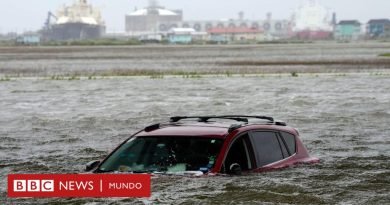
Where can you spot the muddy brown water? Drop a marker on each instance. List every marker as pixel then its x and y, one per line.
pixel 56 126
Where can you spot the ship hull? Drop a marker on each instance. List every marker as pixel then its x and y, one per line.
pixel 73 31
pixel 314 35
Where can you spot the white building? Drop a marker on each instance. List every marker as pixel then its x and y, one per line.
pixel 312 17
pixel 152 19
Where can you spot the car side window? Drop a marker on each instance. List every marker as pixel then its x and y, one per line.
pixel 267 147
pixel 285 152
pixel 289 140
pixel 240 152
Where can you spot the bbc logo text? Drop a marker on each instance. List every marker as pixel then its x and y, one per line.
pixel 33 186
pixel 79 185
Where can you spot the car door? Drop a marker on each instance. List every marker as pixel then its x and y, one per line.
pixel 240 152
pixel 271 146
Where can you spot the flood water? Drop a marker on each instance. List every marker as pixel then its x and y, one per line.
pixel 56 126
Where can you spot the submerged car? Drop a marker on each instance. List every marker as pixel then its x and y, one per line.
pixel 198 145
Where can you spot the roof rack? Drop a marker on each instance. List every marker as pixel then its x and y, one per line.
pixel 239 118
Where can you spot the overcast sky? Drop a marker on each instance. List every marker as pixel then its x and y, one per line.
pixel 23 15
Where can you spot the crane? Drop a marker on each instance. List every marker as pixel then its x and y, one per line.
pixel 48 20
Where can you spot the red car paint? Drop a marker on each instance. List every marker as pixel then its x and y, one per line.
pixel 301 155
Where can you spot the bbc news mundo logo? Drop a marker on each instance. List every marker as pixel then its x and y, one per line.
pixel 33 186
pixel 79 185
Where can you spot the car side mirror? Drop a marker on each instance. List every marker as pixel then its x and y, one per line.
pixel 235 169
pixel 91 165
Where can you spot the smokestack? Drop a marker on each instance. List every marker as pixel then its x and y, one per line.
pixel 269 16
pixel 153 3
pixel 241 15
pixel 334 19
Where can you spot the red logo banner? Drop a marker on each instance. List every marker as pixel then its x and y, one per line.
pixel 79 185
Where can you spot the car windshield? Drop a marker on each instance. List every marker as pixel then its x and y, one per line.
pixel 164 154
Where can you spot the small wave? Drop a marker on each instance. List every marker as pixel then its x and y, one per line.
pixel 28 91
pixel 361 163
pixel 380 114
pixel 301 102
pixel 375 158
pixel 60 141
pixel 242 195
pixel 361 148
pixel 9 139
pixel 10 148
pixel 90 151
pixel 32 167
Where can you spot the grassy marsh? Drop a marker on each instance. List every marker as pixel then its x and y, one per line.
pixel 191 61
pixel 384 55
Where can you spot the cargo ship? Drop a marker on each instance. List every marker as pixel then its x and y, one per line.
pixel 75 22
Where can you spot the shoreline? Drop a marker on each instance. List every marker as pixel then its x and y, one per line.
pixel 193 61
pixel 383 73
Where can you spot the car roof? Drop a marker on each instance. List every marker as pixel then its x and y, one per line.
pixel 206 129
pixel 195 130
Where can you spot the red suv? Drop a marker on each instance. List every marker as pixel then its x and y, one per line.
pixel 208 145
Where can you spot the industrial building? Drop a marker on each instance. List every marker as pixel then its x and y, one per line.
pixel 270 26
pixel 28 38
pixel 78 21
pixel 312 21
pixel 243 34
pixel 378 28
pixel 181 35
pixel 348 30
pixel 152 19
pixel 157 19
